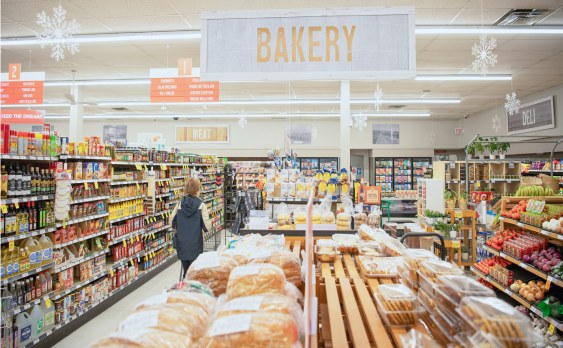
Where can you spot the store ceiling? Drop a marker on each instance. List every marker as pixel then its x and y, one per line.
pixel 535 61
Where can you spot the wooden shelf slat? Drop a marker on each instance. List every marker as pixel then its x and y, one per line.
pixel 337 329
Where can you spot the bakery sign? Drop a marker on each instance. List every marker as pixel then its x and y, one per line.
pixel 306 44
pixel 534 116
pixel 202 134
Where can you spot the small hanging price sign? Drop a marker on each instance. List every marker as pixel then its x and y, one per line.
pixel 85 185
pixel 138 166
pixel 111 272
pixel 48 303
pixel 138 238
pixel 131 240
pixel 551 329
pixel 11 245
pixel 124 243
pixel 132 263
pixel 16 204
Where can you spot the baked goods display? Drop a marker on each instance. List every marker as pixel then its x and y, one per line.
pixel 213 270
pixel 260 329
pixel 145 338
pixel 417 339
pixel 327 253
pixel 343 221
pixel 453 288
pixel 300 217
pixel 346 243
pixel 204 301
pixel 286 260
pixel 377 267
pixel 413 257
pixel 371 234
pixel 392 247
pixel 429 271
pixel 496 322
pixel 316 217
pixel 370 248
pixel 284 221
pixel 327 217
pixel 397 305
pixel 255 279
pixel 360 219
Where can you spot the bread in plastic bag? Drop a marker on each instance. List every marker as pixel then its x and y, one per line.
pixel 204 301
pixel 238 254
pixel 380 266
pixel 300 217
pixel 316 215
pixel 213 270
pixel 187 320
pixel 417 339
pixel 290 290
pixel 368 233
pixel 145 338
pixel 374 217
pixel 284 219
pixel 255 279
pixel 346 243
pixel 327 217
pixel 286 260
pixel 252 330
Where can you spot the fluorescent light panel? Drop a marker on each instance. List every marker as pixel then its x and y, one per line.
pixel 532 30
pixel 465 77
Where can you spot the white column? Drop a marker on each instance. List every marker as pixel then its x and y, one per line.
pixel 75 126
pixel 345 124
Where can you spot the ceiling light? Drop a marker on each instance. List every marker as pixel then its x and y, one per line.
pixel 399 114
pixel 432 30
pixel 454 77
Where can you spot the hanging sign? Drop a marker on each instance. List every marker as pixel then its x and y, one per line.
pixel 372 194
pixel 22 87
pixel 202 134
pixel 334 44
pixel 16 116
pixel 180 86
pixel 534 116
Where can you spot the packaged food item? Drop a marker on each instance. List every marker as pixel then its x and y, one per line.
pixel 453 288
pixel 343 221
pixel 427 301
pixel 255 279
pixel 496 321
pixel 346 243
pixel 213 270
pixel 284 218
pixel 204 301
pixel 392 247
pixel 294 293
pixel 414 257
pixel 326 253
pixel 374 218
pixel 238 254
pixel 184 319
pixel 370 248
pixel 397 305
pixel 316 215
pixel 192 286
pixel 300 217
pixel 379 267
pixel 417 339
pixel 368 233
pixel 429 271
pixel 360 217
pixel 260 329
pixel 286 260
pixel 145 338
pixel 327 217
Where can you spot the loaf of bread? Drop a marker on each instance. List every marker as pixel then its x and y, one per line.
pixel 213 270
pixel 343 221
pixel 252 330
pixel 204 301
pixel 238 254
pixel 360 219
pixel 287 261
pixel 366 233
pixel 184 319
pixel 145 338
pixel 192 286
pixel 294 293
pixel 327 218
pixel 374 219
pixel 255 279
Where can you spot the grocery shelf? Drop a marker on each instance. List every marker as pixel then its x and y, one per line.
pixel 181 177
pixel 80 260
pixel 77 157
pixel 162 180
pixel 160 213
pixel 91 306
pixel 27 199
pixel 27 274
pixel 531 228
pixel 126 218
pixel 539 171
pixel 89 199
pixel 79 285
pixel 82 219
pixel 87 181
pixel 518 298
pixel 97 234
pixel 128 182
pixel 126 163
pixel 127 236
pixel 24 307
pixel 137 255
pixel 28 158
pixel 27 235
pixel 125 199
pixel 212 190
pixel 162 195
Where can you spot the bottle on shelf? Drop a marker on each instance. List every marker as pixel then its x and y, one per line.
pixel 5 179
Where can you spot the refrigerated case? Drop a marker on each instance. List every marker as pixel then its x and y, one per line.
pixel 400 173
pixel 309 165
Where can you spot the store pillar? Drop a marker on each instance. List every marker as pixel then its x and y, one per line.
pixel 76 122
pixel 345 124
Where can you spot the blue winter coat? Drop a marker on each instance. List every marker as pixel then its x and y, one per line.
pixel 189 224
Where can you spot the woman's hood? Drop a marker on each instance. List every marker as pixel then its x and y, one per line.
pixel 190 205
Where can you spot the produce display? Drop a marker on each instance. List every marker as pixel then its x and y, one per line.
pixel 532 291
pixel 553 225
pixel 497 241
pixel 516 211
pixel 545 259
pixel 534 191
pixel 485 265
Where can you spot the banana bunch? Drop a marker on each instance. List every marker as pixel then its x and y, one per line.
pixel 534 191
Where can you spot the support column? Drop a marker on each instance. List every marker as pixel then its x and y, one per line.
pixel 345 124
pixel 76 123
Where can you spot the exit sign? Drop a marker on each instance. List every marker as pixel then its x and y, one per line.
pixel 459 131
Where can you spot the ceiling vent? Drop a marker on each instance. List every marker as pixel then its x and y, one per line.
pixel 397 106
pixel 120 109
pixel 522 17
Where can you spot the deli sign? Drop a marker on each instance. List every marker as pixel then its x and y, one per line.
pixel 534 116
pixel 305 44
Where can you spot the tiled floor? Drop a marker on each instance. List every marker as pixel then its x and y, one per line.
pixel 109 320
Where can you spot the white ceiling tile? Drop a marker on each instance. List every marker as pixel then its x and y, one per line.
pixel 126 8
pixel 435 16
pixel 26 11
pixel 473 17
pixel 156 23
pixel 555 18
pixel 12 29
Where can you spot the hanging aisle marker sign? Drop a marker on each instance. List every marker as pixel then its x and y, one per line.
pixel 306 44
pixel 181 85
pixel 22 87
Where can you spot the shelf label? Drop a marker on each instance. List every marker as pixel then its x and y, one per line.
pixel 551 329
pixel 508 292
pixel 524 266
pixel 138 166
pixel 4 209
pixel 96 185
pixel 456 244
pixel 48 303
pixel 124 243
pixel 11 245
pixel 16 204
pixel 519 224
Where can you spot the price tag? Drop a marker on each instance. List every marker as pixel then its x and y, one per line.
pixel 11 245
pixel 138 186
pixel 152 235
pixel 16 204
pixel 4 209
pixel 111 272
pixel 160 199
pixel 508 292
pixel 48 303
pixel 146 258
pixel 138 166
pixel 96 185
pixel 137 238
pixel 131 240
pixel 132 263
pixel 548 283
pixel 124 243
pixel 524 266
pixel 510 165
pixel 145 166
pixel 456 244
pixel 477 184
pixel 85 185
pixel 519 224
pixel 64 223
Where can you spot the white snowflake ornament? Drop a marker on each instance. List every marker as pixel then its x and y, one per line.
pixel 512 104
pixel 496 123
pixel 360 121
pixel 242 121
pixel 57 32
pixel 314 133
pixel 378 97
pixel 483 53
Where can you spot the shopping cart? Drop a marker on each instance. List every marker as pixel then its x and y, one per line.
pixel 440 247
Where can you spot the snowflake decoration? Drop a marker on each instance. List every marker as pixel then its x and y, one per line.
pixel 483 53
pixel 496 123
pixel 360 121
pixel 314 133
pixel 242 121
pixel 57 32
pixel 512 104
pixel 378 97
pixel 433 137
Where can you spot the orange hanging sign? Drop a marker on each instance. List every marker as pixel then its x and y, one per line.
pixel 21 87
pixel 17 116
pixel 171 86
pixel 14 71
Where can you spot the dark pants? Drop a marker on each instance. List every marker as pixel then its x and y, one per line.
pixel 185 265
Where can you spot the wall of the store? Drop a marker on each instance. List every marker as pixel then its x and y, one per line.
pixel 482 123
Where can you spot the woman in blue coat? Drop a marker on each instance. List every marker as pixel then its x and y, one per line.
pixel 190 218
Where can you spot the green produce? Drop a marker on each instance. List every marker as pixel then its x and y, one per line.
pixel 551 307
pixel 533 191
pixel 557 271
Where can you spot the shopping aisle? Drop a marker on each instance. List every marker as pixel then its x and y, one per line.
pixel 107 322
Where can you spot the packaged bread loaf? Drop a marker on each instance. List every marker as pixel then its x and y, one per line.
pixel 397 304
pixel 286 260
pixel 204 301
pixel 255 279
pixel 238 254
pixel 291 291
pixel 184 319
pixel 367 233
pixel 346 243
pixel 343 221
pixel 374 218
pixel 327 217
pixel 300 217
pixel 212 270
pixel 253 330
pixel 192 286
pixel 145 338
